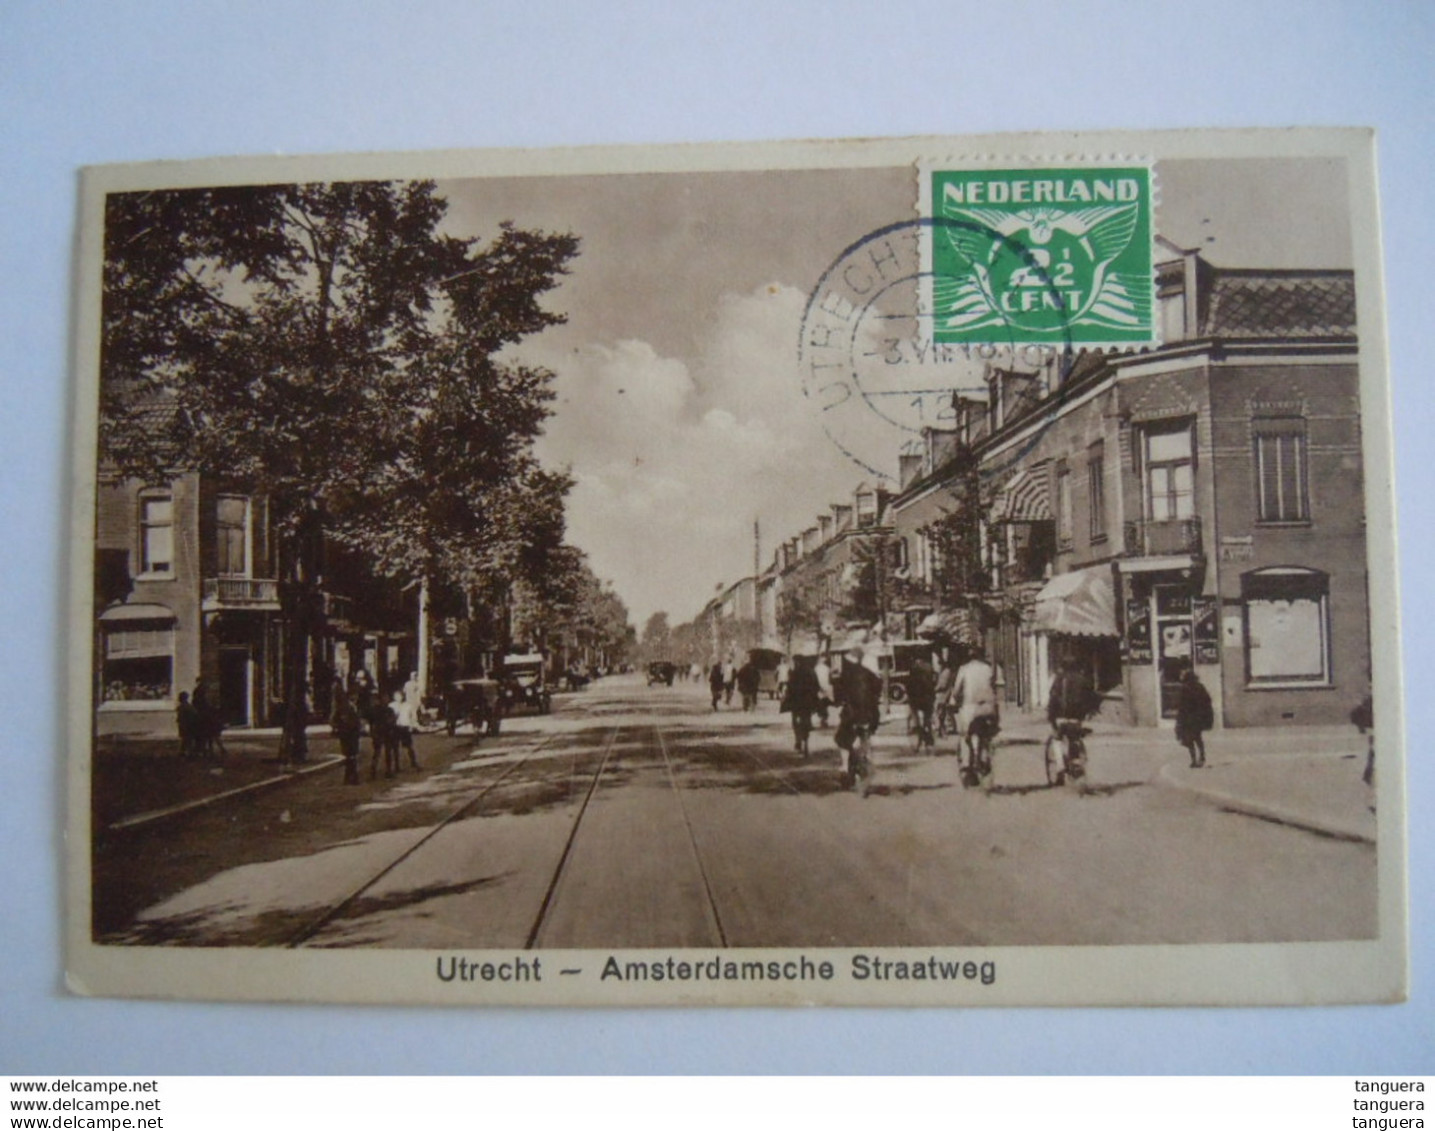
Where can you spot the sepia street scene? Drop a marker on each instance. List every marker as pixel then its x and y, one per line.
pixel 800 557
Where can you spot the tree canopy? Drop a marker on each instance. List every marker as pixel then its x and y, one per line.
pixel 332 346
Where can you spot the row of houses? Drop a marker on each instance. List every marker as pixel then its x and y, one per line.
pixel 187 594
pixel 1196 504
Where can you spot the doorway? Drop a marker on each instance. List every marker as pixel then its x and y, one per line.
pixel 234 689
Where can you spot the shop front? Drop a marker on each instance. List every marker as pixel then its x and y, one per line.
pixel 1170 626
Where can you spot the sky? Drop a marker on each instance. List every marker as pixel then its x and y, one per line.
pixel 680 408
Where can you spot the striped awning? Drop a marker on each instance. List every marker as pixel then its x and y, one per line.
pixel 1079 603
pixel 137 611
pixel 961 626
pixel 1025 498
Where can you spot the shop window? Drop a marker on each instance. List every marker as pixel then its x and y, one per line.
pixel 1281 484
pixel 138 663
pixel 1287 626
pixel 156 533
pixel 1170 477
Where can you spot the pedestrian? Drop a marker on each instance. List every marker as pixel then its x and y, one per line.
pixel 209 724
pixel 974 696
pixel 382 723
pixel 823 671
pixel 729 680
pixel 749 678
pixel 801 698
pixel 347 727
pixel 402 734
pixel 413 696
pixel 716 682
pixel 1194 715
pixel 784 673
pixel 186 721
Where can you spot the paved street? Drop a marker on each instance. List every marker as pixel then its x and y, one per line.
pixel 635 817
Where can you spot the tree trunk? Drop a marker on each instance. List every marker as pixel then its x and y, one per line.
pixel 423 657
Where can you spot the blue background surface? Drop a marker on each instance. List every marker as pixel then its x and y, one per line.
pixel 86 83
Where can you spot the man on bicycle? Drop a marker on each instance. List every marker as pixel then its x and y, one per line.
pixel 858 693
pixel 1071 700
pixel 921 699
pixel 974 696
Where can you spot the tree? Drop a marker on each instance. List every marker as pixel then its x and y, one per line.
pixel 332 347
pixel 657 637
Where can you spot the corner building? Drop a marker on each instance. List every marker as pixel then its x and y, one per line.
pixel 1200 503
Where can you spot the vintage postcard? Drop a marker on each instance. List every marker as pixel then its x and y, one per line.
pixel 938 571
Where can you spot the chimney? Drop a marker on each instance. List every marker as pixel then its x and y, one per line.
pixel 909 468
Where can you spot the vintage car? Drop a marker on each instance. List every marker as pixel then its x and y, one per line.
pixel 523 681
pixel 479 702
pixel 661 671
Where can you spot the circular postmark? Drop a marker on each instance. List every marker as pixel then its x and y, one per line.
pixel 875 361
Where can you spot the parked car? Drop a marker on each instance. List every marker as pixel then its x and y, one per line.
pixel 523 680
pixel 479 702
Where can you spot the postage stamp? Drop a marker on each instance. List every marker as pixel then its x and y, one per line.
pixel 1042 255
pixel 608 577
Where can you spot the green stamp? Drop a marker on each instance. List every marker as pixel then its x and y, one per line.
pixel 1041 255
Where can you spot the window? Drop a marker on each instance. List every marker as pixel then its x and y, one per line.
pixel 1287 634
pixel 1096 489
pixel 1170 472
pixel 233 535
pixel 157 534
pixel 1280 452
pixel 137 661
pixel 1063 504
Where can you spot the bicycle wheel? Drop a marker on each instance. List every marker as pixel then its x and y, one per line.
pixel 1055 760
pixel 862 763
pixel 984 757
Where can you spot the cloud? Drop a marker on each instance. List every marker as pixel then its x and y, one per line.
pixel 674 459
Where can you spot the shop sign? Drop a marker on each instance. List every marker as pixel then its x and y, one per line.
pixel 1138 631
pixel 1205 630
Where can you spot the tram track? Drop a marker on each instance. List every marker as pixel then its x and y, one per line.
pixel 336 910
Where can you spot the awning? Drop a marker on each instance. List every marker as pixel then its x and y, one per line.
pixel 1079 603
pixel 1024 498
pixel 117 613
pixel 962 626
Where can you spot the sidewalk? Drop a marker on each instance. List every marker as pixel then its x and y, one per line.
pixel 1306 777
pixel 138 780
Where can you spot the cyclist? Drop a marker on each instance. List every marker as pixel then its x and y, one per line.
pixel 1070 702
pixel 974 693
pixel 802 696
pixel 858 693
pixel 921 699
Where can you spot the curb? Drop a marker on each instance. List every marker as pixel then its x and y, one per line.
pixel 140 820
pixel 1320 825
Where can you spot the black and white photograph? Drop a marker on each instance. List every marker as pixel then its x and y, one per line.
pixel 946 571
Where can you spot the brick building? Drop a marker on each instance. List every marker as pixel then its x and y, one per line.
pixel 1200 503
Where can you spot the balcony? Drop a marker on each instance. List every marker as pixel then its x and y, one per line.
pixel 241 593
pixel 1179 537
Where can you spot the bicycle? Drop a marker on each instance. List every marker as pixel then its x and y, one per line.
pixel 859 762
pixel 919 729
pixel 980 740
pixel 1066 752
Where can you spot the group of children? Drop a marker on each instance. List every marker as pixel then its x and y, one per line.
pixel 201 728
pixel 391 725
